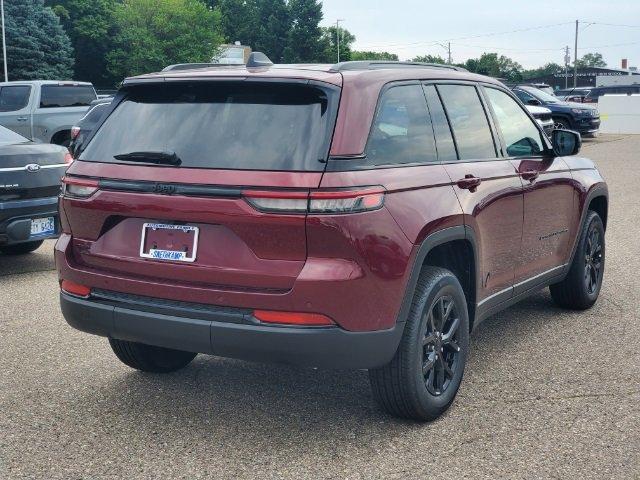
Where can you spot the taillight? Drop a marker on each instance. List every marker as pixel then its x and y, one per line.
pixel 317 201
pixel 350 201
pixel 68 158
pixel 75 131
pixel 73 288
pixel 79 187
pixel 293 318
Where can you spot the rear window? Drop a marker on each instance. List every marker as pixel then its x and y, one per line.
pixel 13 98
pixel 53 96
pixel 246 126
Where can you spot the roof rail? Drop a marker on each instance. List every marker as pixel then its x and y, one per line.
pixel 373 64
pixel 193 66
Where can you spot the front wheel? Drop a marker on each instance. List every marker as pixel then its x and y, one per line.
pixel 148 358
pixel 423 377
pixel 561 124
pixel 581 287
pixel 21 248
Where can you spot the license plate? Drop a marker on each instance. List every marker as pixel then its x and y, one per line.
pixel 43 226
pixel 177 243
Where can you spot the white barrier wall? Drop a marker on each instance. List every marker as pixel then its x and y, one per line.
pixel 619 113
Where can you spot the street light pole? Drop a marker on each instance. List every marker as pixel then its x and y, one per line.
pixel 575 59
pixel 338 35
pixel 4 43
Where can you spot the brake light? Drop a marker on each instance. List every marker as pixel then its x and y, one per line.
pixel 317 201
pixel 79 187
pixel 68 158
pixel 293 318
pixel 75 131
pixel 73 288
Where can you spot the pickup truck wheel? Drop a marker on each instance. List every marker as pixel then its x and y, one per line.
pixel 148 358
pixel 581 287
pixel 21 248
pixel 423 377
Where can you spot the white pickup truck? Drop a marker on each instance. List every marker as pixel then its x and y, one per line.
pixel 44 110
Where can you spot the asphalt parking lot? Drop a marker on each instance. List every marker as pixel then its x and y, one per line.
pixel 547 393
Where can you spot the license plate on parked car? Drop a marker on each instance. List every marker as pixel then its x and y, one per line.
pixel 178 243
pixel 43 226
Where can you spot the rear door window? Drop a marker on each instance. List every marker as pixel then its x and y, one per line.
pixel 521 136
pixel 469 122
pixel 444 141
pixel 238 126
pixel 401 132
pixel 53 96
pixel 14 97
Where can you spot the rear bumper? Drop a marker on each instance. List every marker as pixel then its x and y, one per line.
pixel 226 332
pixel 16 216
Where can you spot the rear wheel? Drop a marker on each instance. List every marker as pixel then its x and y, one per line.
pixel 21 248
pixel 423 378
pixel 149 358
pixel 581 287
pixel 561 123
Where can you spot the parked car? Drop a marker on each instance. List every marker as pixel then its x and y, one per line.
pixel 44 111
pixel 29 187
pixel 82 131
pixel 592 95
pixel 365 215
pixel 544 118
pixel 584 119
pixel 573 94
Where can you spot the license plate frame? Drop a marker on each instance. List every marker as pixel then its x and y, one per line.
pixel 166 255
pixel 37 230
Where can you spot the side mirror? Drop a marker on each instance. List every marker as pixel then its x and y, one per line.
pixel 534 102
pixel 566 142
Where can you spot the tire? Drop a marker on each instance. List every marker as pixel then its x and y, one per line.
pixel 576 291
pixel 148 358
pixel 21 248
pixel 400 387
pixel 561 123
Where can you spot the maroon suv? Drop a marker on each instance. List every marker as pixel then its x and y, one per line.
pixel 363 215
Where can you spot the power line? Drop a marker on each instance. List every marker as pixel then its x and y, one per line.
pixel 492 34
pixel 613 25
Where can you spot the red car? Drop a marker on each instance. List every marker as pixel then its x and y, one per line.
pixel 363 216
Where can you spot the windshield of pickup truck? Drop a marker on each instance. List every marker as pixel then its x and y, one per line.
pixel 220 125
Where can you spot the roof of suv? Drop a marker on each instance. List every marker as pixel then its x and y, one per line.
pixel 47 82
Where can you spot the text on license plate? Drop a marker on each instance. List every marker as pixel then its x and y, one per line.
pixel 161 241
pixel 43 226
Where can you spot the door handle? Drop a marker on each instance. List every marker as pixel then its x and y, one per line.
pixel 22 119
pixel 530 175
pixel 469 182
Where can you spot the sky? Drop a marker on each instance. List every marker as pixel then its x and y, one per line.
pixel 415 27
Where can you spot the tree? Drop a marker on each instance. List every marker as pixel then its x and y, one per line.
pixel 492 65
pixel 239 20
pixel 152 35
pixel 305 36
pixel 37 47
pixel 273 30
pixel 330 45
pixel 384 56
pixel 546 69
pixel 90 27
pixel 429 59
pixel 591 60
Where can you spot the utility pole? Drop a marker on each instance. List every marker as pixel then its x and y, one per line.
pixel 4 43
pixel 567 61
pixel 449 51
pixel 338 35
pixel 575 59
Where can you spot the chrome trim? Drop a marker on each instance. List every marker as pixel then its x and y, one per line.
pixel 520 284
pixel 24 169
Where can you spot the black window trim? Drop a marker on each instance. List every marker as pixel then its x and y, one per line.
pixel 28 96
pixel 547 152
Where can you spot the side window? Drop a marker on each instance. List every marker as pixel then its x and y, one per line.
pixel 444 141
pixel 469 122
pixel 14 97
pixel 520 134
pixel 53 96
pixel 401 131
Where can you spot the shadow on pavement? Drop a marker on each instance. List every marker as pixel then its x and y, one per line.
pixel 38 261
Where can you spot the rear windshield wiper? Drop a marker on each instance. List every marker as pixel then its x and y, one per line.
pixel 155 158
